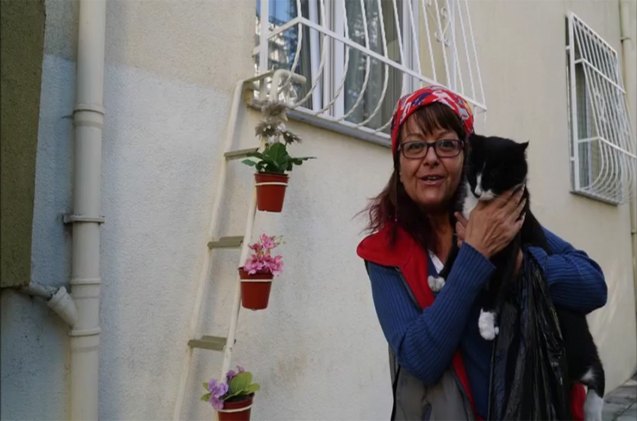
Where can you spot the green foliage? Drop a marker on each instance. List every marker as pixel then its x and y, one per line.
pixel 275 138
pixel 235 386
pixel 275 159
pixel 241 385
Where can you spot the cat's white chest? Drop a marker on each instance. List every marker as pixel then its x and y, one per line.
pixel 470 202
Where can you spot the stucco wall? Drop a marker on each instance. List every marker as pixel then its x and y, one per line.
pixel 317 351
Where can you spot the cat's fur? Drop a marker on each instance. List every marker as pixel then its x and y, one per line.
pixel 493 166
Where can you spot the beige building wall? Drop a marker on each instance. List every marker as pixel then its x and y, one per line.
pixel 317 351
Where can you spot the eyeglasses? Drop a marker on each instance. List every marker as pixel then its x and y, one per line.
pixel 444 148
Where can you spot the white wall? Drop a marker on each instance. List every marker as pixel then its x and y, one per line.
pixel 317 350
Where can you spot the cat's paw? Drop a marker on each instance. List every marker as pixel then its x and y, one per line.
pixel 593 406
pixel 436 283
pixel 486 324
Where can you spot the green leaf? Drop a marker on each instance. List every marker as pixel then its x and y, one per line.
pixel 206 397
pixel 275 158
pixel 249 163
pixel 252 388
pixel 240 382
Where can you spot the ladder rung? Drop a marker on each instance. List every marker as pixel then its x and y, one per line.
pixel 239 153
pixel 226 242
pixel 215 343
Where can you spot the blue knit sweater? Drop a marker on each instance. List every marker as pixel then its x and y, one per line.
pixel 424 341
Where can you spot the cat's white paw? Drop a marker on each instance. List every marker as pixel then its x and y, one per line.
pixel 486 324
pixel 593 407
pixel 436 283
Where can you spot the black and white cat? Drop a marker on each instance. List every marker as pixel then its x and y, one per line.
pixel 493 166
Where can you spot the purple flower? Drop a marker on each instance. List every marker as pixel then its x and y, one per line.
pixel 217 390
pixel 231 373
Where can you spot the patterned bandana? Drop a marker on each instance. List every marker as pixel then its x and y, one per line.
pixel 425 96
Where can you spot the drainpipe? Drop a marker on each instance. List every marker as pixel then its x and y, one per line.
pixel 88 119
pixel 57 299
pixel 629 60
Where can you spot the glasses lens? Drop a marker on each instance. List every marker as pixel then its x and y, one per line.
pixel 414 149
pixel 445 148
pixel 448 147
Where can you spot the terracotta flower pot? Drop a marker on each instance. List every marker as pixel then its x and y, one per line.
pixel 236 410
pixel 270 191
pixel 255 289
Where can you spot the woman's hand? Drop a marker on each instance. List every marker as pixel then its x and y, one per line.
pixel 493 224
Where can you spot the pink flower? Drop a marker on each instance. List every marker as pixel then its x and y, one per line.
pixel 268 242
pixel 261 259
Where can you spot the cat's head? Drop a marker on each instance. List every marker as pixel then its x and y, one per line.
pixel 494 165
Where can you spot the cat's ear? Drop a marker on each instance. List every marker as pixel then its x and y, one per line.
pixel 524 145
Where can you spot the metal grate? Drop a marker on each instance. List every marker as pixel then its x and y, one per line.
pixel 603 156
pixel 359 56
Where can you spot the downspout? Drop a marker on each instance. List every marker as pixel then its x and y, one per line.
pixel 88 118
pixel 57 299
pixel 629 60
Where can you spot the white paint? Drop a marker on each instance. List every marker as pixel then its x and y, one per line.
pixel 593 406
pixel 170 69
pixel 486 325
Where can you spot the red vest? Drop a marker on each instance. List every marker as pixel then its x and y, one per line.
pixel 412 261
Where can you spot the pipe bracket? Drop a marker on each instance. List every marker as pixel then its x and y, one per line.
pixel 70 218
pixel 85 332
pixel 89 107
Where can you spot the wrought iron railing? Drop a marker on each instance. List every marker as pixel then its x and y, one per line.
pixel 603 156
pixel 359 56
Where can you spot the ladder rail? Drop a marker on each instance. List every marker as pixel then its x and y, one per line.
pixel 236 304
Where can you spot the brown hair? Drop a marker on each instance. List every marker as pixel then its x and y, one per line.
pixel 393 203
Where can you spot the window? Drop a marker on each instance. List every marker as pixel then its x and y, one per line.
pixel 602 154
pixel 359 56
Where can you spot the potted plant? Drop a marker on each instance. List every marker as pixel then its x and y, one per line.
pixel 231 397
pixel 257 272
pixel 272 160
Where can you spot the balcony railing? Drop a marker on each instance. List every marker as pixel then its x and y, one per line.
pixel 359 56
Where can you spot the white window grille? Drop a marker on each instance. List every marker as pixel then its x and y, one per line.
pixel 359 56
pixel 602 148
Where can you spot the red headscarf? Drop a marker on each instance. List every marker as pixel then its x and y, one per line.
pixel 425 96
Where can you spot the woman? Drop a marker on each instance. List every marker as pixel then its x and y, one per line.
pixel 440 364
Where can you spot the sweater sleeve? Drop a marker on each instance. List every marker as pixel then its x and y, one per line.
pixel 575 281
pixel 424 341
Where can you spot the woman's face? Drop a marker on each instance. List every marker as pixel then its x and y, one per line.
pixel 429 181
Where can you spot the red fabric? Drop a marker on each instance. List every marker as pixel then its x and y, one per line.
pixel 425 96
pixel 411 259
pixel 578 397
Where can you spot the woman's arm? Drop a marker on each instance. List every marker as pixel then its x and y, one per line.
pixel 424 341
pixel 575 281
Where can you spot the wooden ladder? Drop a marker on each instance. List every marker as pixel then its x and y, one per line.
pixel 197 339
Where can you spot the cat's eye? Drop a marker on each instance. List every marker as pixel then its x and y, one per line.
pixel 444 148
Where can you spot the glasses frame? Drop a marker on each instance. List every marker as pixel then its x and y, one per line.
pixel 432 145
